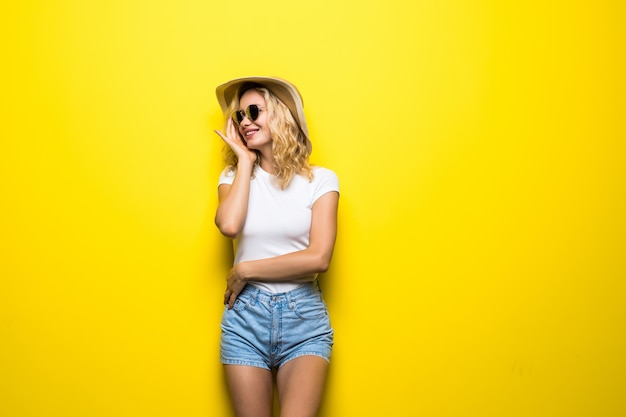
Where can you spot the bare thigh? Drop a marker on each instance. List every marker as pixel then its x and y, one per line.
pixel 250 390
pixel 300 384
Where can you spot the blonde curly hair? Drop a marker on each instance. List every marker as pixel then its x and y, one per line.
pixel 290 147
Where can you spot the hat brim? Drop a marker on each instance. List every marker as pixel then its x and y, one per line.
pixel 284 90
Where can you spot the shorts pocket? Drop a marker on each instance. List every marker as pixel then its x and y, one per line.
pixel 309 308
pixel 242 302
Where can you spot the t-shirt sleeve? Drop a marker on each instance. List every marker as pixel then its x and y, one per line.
pixel 324 181
pixel 226 177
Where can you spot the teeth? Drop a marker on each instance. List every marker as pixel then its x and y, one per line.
pixel 251 132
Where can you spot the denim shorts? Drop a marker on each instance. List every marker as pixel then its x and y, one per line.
pixel 266 330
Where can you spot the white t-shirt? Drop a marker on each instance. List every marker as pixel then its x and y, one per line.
pixel 279 221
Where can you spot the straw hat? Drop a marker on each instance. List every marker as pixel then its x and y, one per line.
pixel 284 90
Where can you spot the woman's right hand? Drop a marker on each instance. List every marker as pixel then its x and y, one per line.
pixel 234 141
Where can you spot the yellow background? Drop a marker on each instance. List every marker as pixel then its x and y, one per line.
pixel 480 263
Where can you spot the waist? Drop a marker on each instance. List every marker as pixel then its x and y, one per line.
pixel 283 287
pixel 301 290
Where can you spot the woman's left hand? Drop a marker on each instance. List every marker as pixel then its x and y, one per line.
pixel 234 284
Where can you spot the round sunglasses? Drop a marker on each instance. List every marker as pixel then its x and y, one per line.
pixel 251 112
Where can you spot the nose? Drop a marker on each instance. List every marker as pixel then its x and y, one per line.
pixel 245 121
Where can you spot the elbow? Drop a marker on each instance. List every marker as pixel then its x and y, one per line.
pixel 229 230
pixel 229 234
pixel 323 263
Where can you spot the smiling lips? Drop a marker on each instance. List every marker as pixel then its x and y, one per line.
pixel 250 132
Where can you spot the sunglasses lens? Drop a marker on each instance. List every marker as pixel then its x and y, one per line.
pixel 252 112
pixel 237 117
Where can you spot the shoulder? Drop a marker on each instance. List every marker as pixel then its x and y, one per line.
pixel 323 173
pixel 324 180
pixel 226 176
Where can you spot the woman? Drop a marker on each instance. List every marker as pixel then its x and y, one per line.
pixel 282 214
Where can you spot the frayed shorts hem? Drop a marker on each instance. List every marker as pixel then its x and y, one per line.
pixel 245 363
pixel 266 366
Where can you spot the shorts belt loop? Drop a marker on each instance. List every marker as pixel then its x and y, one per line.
pixel 289 299
pixel 255 296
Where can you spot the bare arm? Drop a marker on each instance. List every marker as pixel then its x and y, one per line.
pixel 292 266
pixel 233 198
pixel 232 209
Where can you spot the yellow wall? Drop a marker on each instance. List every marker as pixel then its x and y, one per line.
pixel 480 145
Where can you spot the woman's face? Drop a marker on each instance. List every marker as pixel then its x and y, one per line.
pixel 256 133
